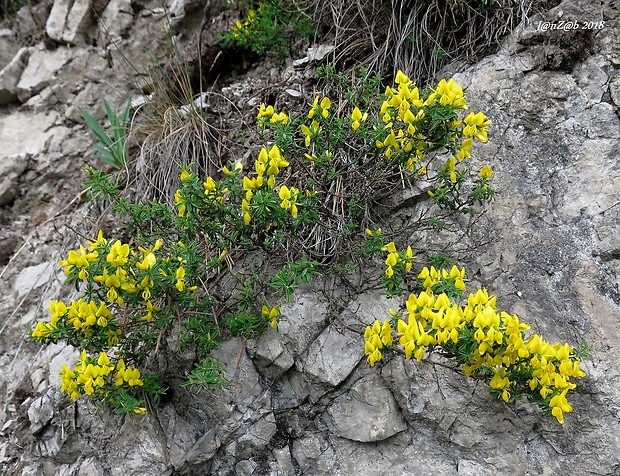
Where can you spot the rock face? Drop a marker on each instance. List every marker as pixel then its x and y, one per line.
pixel 303 400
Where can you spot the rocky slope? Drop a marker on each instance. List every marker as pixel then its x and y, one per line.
pixel 304 401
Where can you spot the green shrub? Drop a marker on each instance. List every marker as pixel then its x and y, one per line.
pixel 217 263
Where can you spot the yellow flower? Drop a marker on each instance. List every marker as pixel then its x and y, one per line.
pixel 118 254
pixel 325 105
pixel 476 125
pixel 485 172
pixel 185 175
pixel 237 167
pixel 559 404
pixel 209 185
pixel 100 241
pixel 180 274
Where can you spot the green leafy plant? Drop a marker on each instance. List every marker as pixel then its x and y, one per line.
pixel 270 28
pixel 213 264
pixel 112 150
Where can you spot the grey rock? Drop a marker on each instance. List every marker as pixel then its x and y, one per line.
pixel 8 190
pixel 77 23
pixel 55 25
pixel 304 319
pixel 284 461
pixel 116 19
pixel 367 412
pixel 42 410
pixel 41 68
pixel 179 9
pixel 291 390
pixel 271 356
pixel 34 277
pixel 245 468
pixel 333 355
pixel 23 134
pixel 592 79
pixel 8 46
pixel 614 89
pixel 310 452
pixel 204 449
pixel 10 75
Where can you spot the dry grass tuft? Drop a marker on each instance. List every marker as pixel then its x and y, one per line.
pixel 416 36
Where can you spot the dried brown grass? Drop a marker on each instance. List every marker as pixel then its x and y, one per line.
pixel 416 36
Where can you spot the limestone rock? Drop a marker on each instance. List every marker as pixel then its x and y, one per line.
pixel 77 23
pixel 41 68
pixel 116 19
pixel 333 355
pixel 271 356
pixel 34 277
pixel 203 450
pixel 304 319
pixel 69 21
pixel 23 134
pixel 42 410
pixel 55 25
pixel 10 75
pixel 367 412
pixel 7 190
pixel 8 46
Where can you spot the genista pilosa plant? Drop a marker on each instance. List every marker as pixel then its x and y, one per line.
pixel 486 343
pixel 236 244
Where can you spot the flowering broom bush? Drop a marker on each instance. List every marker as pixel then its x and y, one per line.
pixel 485 342
pixel 216 263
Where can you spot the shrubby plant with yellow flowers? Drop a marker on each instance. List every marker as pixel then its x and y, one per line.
pixel 486 343
pixel 234 244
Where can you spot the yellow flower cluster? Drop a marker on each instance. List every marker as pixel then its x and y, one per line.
pixel 494 342
pixel 241 31
pixel 377 337
pixel 90 375
pixel 83 316
pixel 321 108
pixel 289 197
pixel 269 114
pixel 116 275
pixel 85 376
pixel 273 314
pixel 395 258
pixel 476 125
pixel 403 110
pixel 79 259
pixel 431 276
pixel 269 163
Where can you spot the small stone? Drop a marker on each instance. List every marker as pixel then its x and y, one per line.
pixel 77 23
pixel 42 410
pixel 7 191
pixel 10 75
pixel 368 412
pixel 34 277
pixel 41 68
pixel 284 460
pixel 55 24
pixel 333 355
pixel 271 356
pixel 204 449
